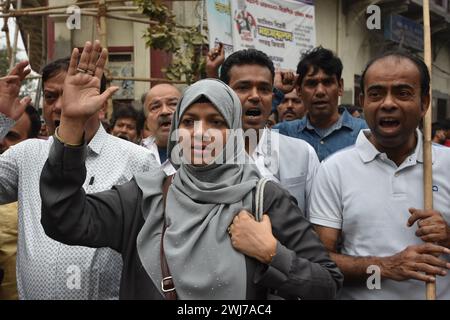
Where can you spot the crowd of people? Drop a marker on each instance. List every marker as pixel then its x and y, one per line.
pixel 160 203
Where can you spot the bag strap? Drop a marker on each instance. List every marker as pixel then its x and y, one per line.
pixel 259 198
pixel 167 285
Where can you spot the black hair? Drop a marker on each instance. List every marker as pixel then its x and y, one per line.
pixel 319 58
pixel 55 67
pixel 445 124
pixel 143 97
pixel 202 99
pixel 436 126
pixel 127 111
pixel 351 108
pixel 35 121
pixel 276 115
pixel 418 62
pixel 245 57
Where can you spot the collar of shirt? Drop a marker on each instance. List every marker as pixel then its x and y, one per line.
pixel 368 152
pixel 98 141
pixel 345 120
pixel 150 144
pixel 147 142
pixel 261 148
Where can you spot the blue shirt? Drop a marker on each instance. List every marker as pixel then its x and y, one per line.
pixel 325 141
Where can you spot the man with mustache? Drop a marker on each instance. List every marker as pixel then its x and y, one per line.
pixel 375 222
pixel 47 269
pixel 288 161
pixel 319 85
pixel 126 123
pixel 291 107
pixel 159 105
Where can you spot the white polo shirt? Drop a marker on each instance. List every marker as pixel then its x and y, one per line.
pixel 364 194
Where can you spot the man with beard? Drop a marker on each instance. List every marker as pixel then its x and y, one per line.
pixel 288 161
pixel 319 85
pixel 375 222
pixel 127 124
pixel 291 107
pixel 47 269
pixel 159 105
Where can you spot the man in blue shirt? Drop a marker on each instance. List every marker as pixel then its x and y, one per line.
pixel 320 85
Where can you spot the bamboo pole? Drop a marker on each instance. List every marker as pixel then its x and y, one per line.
pixel 83 12
pixel 79 4
pixel 102 27
pixel 427 161
pixel 5 28
pixel 145 79
pixel 16 39
pixel 19 13
pixel 83 3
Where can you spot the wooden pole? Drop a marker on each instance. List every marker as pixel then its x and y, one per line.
pixel 427 161
pixel 16 39
pixel 145 79
pixel 79 4
pixel 5 28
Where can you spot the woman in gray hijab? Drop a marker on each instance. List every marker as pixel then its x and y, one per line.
pixel 213 247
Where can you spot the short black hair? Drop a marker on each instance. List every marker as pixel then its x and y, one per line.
pixel 436 126
pixel 35 121
pixel 245 57
pixel 53 68
pixel 276 115
pixel 402 54
pixel 445 124
pixel 319 58
pixel 128 111
pixel 351 108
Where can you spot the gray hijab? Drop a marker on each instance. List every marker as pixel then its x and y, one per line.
pixel 201 204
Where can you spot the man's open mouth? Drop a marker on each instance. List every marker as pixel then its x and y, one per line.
pixel 255 112
pixel 166 124
pixel 388 122
pixel 122 136
pixel 320 103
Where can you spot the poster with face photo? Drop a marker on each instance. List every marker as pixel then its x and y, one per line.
pixel 282 29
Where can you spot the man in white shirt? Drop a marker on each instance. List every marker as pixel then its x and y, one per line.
pixel 288 161
pixel 367 200
pixel 159 105
pixel 47 269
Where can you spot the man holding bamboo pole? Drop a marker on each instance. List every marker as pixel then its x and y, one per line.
pixel 372 225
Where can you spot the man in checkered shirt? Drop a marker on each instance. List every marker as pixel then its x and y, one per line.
pixel 47 269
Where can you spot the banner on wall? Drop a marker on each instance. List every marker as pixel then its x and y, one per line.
pixel 283 29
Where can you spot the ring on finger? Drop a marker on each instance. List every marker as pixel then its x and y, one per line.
pixel 82 70
pixel 90 72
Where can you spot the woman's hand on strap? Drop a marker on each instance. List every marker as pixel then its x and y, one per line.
pixel 253 238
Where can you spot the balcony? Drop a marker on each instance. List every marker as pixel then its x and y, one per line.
pixel 411 9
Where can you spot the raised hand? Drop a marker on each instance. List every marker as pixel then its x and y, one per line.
pixel 284 81
pixel 10 104
pixel 81 95
pixel 214 60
